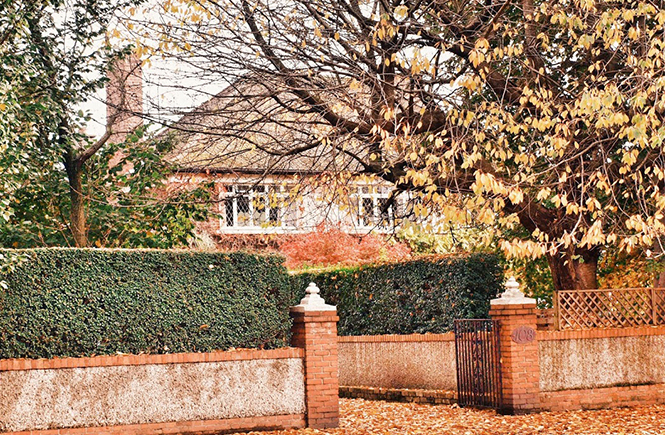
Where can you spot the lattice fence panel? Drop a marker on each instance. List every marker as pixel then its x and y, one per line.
pixel 584 309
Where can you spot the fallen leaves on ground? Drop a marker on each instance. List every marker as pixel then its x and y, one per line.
pixel 360 417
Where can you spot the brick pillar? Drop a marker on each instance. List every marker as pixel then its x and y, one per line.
pixel 315 330
pixel 520 367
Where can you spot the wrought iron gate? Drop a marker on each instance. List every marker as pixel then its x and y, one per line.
pixel 478 363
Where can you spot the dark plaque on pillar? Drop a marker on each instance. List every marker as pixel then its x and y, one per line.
pixel 523 334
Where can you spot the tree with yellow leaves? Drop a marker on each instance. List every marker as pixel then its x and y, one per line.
pixel 540 115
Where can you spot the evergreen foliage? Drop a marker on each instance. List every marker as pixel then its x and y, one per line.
pixel 82 302
pixel 418 296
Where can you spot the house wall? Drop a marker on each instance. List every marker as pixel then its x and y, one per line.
pixel 310 208
pixel 220 390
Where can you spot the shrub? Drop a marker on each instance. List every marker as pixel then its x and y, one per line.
pixel 75 302
pixel 331 246
pixel 417 296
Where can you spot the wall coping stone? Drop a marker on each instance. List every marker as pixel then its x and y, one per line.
pixel 147 359
pixel 640 331
pixel 397 338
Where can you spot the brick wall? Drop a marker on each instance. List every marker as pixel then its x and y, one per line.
pixel 433 397
pixel 600 398
pixel 188 393
pixel 192 427
pixel 602 368
pixel 147 393
pixel 556 370
pixel 558 366
pixel 566 370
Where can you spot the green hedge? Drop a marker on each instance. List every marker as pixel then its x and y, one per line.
pixel 411 297
pixel 75 302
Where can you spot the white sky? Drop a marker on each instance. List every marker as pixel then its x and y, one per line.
pixel 167 89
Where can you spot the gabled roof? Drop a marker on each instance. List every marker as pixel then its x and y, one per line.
pixel 251 127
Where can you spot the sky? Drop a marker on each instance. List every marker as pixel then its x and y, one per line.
pixel 169 88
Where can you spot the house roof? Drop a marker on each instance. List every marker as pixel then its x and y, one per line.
pixel 255 127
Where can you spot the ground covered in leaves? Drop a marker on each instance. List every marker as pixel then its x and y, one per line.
pixel 360 417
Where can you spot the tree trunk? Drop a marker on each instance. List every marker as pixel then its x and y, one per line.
pixel 659 250
pixel 77 221
pixel 659 282
pixel 575 269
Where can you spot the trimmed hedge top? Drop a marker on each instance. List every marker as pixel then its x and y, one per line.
pixel 417 296
pixel 81 302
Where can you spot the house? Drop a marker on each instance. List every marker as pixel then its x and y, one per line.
pixel 240 141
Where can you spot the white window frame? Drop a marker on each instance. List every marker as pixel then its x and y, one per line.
pixel 375 193
pixel 230 193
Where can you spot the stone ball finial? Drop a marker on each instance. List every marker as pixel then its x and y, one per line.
pixel 312 301
pixel 512 295
pixel 513 288
pixel 312 289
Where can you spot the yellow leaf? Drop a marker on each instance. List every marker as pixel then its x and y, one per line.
pixel 401 11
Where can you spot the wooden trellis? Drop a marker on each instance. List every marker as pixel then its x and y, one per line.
pixel 612 308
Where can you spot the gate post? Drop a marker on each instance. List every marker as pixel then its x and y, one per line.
pixel 315 330
pixel 520 367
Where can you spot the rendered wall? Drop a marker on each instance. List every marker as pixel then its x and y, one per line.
pixel 150 393
pixel 601 358
pixel 589 369
pixel 423 361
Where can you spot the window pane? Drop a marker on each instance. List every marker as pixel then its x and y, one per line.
pixel 274 216
pixel 384 212
pixel 228 212
pixel 244 217
pixel 244 205
pixel 260 216
pixel 367 217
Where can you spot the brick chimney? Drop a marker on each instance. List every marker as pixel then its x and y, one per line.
pixel 124 96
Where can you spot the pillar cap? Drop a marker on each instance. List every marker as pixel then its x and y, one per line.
pixel 512 295
pixel 312 301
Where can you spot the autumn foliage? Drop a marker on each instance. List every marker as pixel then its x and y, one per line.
pixel 331 246
pixel 365 417
pixel 542 120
